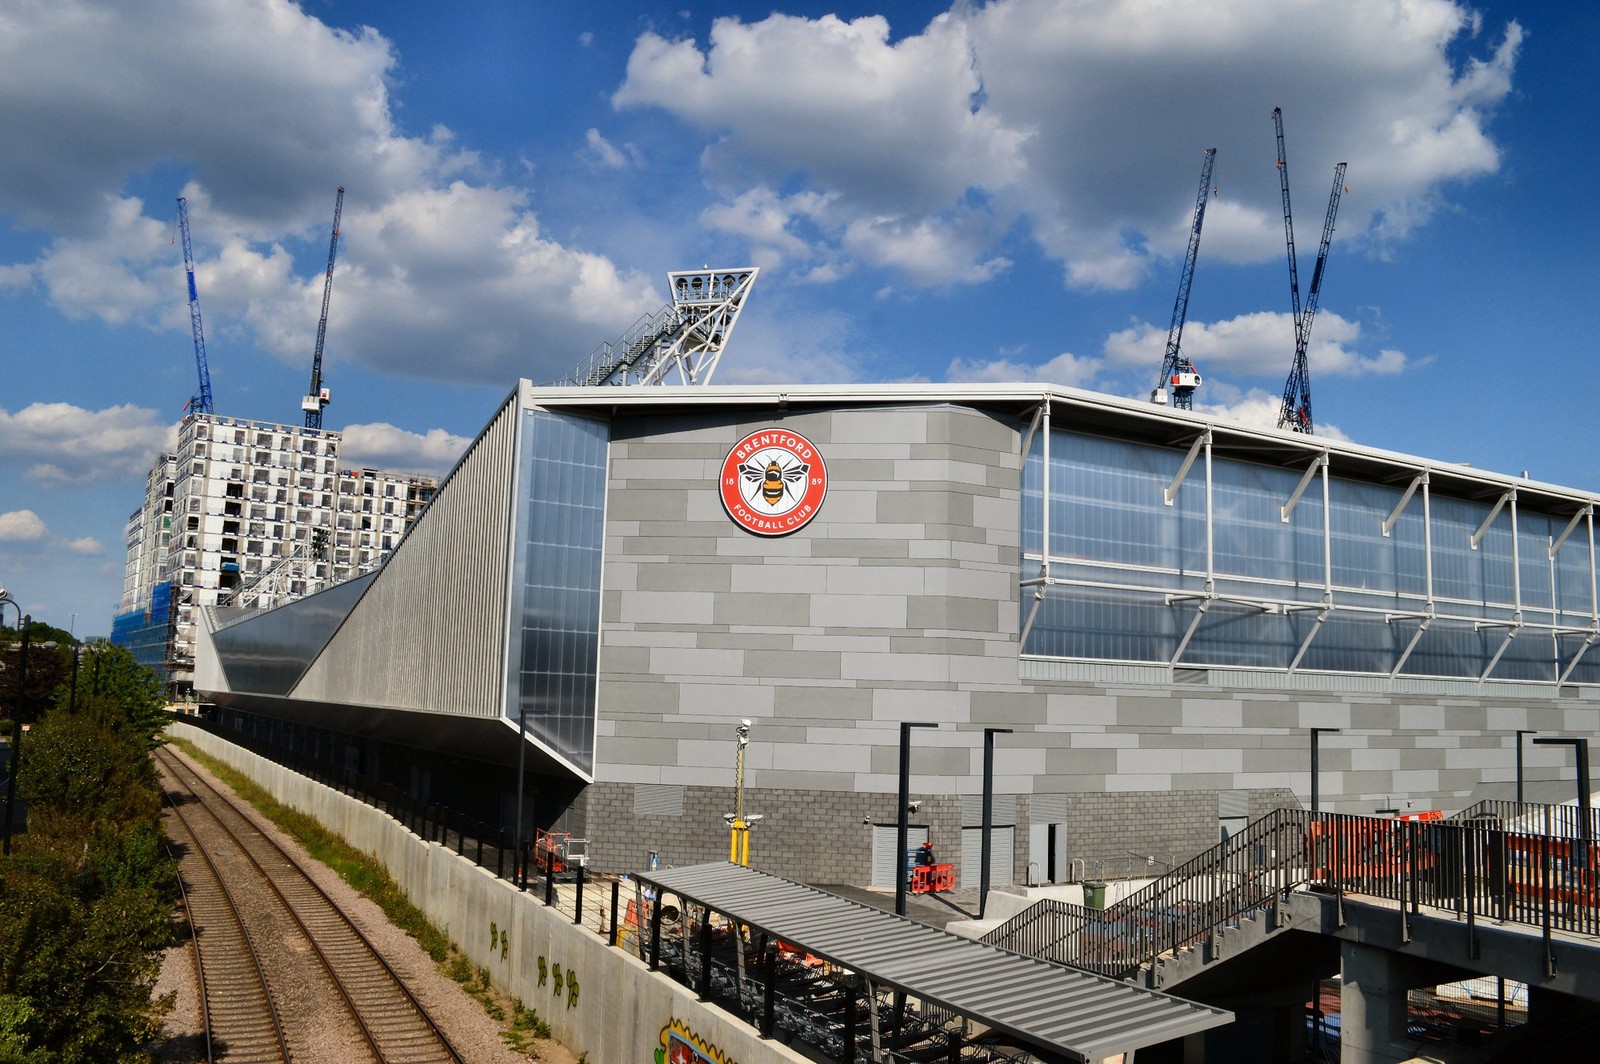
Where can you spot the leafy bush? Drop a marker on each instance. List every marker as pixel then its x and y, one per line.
pixel 86 896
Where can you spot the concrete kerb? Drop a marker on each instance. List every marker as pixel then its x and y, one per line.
pixel 599 1001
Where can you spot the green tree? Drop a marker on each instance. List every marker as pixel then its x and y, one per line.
pixel 86 897
pixel 110 679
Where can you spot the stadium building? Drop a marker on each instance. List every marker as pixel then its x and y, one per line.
pixel 1164 613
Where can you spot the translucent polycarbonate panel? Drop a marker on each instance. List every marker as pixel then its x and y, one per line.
pixel 555 605
pixel 1468 582
pixel 1128 568
pixel 1453 649
pixel 1530 656
pixel 1232 635
pixel 1251 538
pixel 268 653
pixel 1103 625
pixel 1357 642
pixel 1588 667
pixel 1107 504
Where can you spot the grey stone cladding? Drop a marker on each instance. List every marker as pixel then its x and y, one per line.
pixel 899 602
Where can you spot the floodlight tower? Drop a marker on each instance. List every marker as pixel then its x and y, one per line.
pixel 681 343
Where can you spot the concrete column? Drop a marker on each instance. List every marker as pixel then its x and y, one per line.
pixel 1372 1005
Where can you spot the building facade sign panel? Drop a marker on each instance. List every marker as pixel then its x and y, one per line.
pixel 773 482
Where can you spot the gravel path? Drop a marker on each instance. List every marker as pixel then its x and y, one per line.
pixel 309 1020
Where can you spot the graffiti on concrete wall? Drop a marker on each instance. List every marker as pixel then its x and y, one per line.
pixel 679 1045
pixel 561 982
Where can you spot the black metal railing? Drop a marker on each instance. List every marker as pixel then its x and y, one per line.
pixel 1482 866
pixel 1562 821
pixel 487 845
pixel 1247 873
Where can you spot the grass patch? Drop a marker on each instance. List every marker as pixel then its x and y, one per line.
pixel 358 869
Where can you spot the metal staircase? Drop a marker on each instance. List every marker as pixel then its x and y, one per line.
pixel 679 344
pixel 1536 866
pixel 1236 880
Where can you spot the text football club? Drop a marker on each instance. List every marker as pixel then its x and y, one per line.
pixel 773 482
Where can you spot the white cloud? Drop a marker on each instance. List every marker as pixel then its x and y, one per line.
pixel 766 220
pixel 60 444
pixel 455 283
pixel 1065 369
pixel 1259 343
pixel 443 271
pixel 86 545
pixel 1259 409
pixel 383 446
pixel 608 154
pixel 1086 122
pixel 21 526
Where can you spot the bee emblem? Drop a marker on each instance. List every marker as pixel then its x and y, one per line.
pixel 773 482
pixel 774 479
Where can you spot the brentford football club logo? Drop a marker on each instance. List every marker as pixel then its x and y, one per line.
pixel 773 482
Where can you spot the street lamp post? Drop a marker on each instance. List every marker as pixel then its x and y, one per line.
pixel 902 823
pixel 519 851
pixel 23 621
pixel 72 699
pixel 1520 733
pixel 1580 754
pixel 738 823
pixel 1316 767
pixel 988 812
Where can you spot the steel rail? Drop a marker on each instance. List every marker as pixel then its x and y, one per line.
pixel 245 1019
pixel 393 1023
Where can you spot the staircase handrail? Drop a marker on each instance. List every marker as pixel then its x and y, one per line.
pixel 1479 866
pixel 1556 821
pixel 603 362
pixel 1245 873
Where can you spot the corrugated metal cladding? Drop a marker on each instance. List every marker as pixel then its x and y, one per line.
pixel 658 799
pixel 1002 810
pixel 1086 1016
pixel 1047 809
pixel 430 634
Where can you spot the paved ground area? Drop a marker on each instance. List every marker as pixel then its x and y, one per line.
pixel 935 910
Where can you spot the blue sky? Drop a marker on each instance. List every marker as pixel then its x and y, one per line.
pixel 989 191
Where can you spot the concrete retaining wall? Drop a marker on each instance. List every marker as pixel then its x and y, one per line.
pixel 599 1001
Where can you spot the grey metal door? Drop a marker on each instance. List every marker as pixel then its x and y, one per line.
pixel 1001 865
pixel 884 864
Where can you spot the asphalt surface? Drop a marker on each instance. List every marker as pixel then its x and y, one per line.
pixel 935 910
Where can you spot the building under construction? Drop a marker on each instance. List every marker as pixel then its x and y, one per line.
pixel 255 511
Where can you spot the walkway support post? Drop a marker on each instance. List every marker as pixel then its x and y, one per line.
pixel 988 811
pixel 903 827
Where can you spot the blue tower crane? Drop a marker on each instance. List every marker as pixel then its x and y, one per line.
pixel 1178 372
pixel 200 403
pixel 1295 413
pixel 317 396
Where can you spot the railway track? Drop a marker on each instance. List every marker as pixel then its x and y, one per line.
pixel 238 1000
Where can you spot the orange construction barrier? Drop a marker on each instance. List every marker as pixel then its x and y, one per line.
pixel 931 879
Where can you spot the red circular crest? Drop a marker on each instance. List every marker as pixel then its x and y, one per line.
pixel 773 482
